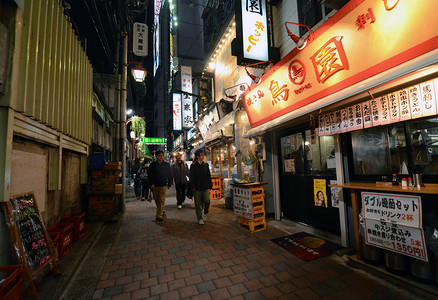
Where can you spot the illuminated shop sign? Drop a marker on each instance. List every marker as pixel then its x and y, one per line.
pixel 365 40
pixel 176 111
pixel 187 102
pixel 255 30
pixel 140 39
pixel 154 141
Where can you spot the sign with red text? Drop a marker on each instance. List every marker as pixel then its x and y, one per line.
pixel 335 59
pixel 397 238
pixel 187 102
pixel 397 209
pixel 177 125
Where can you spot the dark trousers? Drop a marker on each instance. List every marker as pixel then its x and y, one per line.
pixel 137 188
pixel 144 190
pixel 180 193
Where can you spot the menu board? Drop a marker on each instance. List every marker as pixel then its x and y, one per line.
pixel 417 101
pixel 29 237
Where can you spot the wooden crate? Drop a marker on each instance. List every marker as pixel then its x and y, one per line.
pixel 78 220
pixel 10 288
pixel 252 226
pixel 66 236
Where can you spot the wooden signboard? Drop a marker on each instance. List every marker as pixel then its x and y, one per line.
pixel 32 244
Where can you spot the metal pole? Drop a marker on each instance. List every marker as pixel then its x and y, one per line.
pixel 117 149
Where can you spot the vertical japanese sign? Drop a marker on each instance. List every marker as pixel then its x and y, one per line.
pixel 320 192
pixel 255 30
pixel 394 222
pixel 187 104
pixel 140 39
pixel 177 111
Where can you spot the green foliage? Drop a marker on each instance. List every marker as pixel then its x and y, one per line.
pixel 138 125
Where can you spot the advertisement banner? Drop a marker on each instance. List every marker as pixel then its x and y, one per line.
pixel 398 209
pixel 397 238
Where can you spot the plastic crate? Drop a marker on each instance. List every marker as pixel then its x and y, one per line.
pixel 10 288
pixel 78 220
pixel 252 226
pixel 215 194
pixel 216 183
pixel 66 231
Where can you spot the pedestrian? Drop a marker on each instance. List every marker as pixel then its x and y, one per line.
pixel 200 181
pixel 180 172
pixel 144 177
pixel 160 176
pixel 136 177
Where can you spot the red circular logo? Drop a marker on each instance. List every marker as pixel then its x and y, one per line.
pixel 297 72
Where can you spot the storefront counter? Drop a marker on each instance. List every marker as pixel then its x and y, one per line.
pixel 382 187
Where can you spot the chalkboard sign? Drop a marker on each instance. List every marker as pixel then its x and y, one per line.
pixel 29 237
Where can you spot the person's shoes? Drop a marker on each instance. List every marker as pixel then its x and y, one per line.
pixel 159 220
pixel 138 198
pixel 142 199
pixel 179 206
pixel 201 222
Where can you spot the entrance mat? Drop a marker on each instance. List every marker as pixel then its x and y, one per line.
pixel 306 246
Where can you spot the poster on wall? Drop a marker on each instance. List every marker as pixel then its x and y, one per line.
pixel 320 192
pixel 289 166
pixel 334 192
pixel 187 101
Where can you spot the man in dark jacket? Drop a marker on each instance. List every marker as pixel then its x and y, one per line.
pixel 180 172
pixel 160 176
pixel 200 181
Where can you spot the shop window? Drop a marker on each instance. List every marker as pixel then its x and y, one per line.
pixel 379 150
pixel 423 146
pixel 321 154
pixel 402 148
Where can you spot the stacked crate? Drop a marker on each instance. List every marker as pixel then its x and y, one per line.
pixel 63 234
pixel 255 220
pixel 216 191
pixel 104 192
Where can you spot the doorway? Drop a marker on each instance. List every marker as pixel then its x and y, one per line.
pixel 307 167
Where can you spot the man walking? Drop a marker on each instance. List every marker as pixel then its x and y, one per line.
pixel 200 181
pixel 180 172
pixel 160 176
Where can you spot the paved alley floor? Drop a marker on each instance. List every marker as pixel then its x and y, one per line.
pixel 179 259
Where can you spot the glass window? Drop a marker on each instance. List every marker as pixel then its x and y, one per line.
pixel 379 150
pixel 292 153
pixel 321 154
pixel 423 140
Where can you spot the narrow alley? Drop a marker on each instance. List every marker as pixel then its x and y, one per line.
pixel 179 259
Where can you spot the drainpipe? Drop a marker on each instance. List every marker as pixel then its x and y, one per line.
pixel 123 111
pixel 117 155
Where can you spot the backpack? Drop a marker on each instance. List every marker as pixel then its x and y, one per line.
pixel 144 174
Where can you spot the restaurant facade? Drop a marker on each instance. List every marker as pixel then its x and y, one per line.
pixel 356 104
